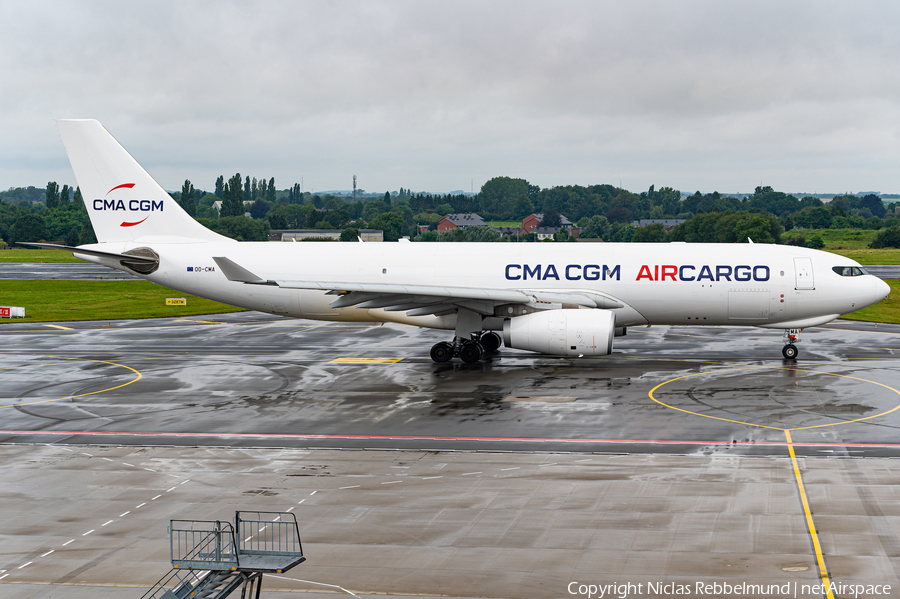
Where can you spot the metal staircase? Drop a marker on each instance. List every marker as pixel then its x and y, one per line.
pixel 212 559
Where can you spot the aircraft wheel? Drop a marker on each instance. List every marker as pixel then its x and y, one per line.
pixel 490 342
pixel 441 352
pixel 471 352
pixel 790 352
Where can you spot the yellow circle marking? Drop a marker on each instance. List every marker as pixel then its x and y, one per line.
pixel 31 403
pixel 777 428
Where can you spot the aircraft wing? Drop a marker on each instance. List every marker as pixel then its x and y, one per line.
pixel 421 300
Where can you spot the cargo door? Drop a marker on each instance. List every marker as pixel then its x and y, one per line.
pixel 748 304
pixel 803 274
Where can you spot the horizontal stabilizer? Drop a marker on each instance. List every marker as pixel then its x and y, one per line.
pixel 237 273
pixel 89 252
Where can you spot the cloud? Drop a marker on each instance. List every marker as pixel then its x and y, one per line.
pixel 696 95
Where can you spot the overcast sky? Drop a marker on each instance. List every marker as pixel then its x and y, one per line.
pixel 438 96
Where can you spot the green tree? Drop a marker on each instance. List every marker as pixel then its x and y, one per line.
pixel 389 222
pixel 813 218
pixel 77 199
pixel 874 204
pixel 651 233
pixel 73 236
pixel 248 193
pixel 239 227
pixel 597 228
pixel 503 196
pixel 350 234
pixel 188 199
pixel 233 197
pixel 64 195
pixel 52 198
pixel 220 187
pixel 887 238
pixel 259 209
pixel 28 227
pixel 270 191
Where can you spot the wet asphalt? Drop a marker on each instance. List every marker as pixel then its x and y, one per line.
pixel 253 380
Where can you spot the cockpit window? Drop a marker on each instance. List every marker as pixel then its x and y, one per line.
pixel 849 271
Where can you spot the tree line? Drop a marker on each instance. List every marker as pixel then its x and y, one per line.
pixel 251 207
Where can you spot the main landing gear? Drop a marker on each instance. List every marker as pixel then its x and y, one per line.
pixel 790 337
pixel 468 350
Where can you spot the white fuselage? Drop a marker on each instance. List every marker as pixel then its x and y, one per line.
pixel 658 283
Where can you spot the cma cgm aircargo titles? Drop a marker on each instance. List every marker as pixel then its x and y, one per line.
pixel 562 299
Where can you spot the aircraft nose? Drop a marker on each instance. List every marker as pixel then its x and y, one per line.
pixel 882 290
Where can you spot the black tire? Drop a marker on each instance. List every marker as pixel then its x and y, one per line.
pixel 790 352
pixel 471 352
pixel 441 352
pixel 490 342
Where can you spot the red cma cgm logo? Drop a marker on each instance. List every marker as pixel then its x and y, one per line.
pixel 129 205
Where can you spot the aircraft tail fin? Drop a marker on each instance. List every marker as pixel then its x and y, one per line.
pixel 122 199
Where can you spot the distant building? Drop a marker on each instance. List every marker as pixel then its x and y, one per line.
pixel 335 234
pixel 544 233
pixel 459 221
pixel 509 230
pixel 667 223
pixel 534 220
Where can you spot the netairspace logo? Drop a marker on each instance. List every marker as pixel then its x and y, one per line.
pixel 719 589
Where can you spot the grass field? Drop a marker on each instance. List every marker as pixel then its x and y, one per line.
pixel 51 301
pixel 836 239
pixel 887 310
pixel 23 255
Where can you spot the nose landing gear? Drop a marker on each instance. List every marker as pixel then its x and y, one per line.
pixel 790 337
pixel 468 350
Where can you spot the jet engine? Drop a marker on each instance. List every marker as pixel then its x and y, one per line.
pixel 562 332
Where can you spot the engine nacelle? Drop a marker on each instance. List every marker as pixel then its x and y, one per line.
pixel 562 332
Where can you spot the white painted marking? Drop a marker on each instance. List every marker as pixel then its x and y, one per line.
pixel 248 538
pixel 172 489
pixel 292 507
pixel 149 469
pixel 551 464
pixel 277 519
pixel 314 492
pixel 399 466
pixel 587 460
pixel 127 464
pixel 261 529
pixel 87 454
pixel 155 498
pixel 392 482
pixel 48 553
pixel 513 468
pixel 110 522
pixel 64 449
pixel 185 481
pixel 430 477
pixel 23 565
pixel 350 487
pixel 107 459
pixel 140 506
pixel 301 501
pixel 67 542
pixel 122 515
pixel 468 473
pixel 88 532
pixel 4 576
pixel 334 586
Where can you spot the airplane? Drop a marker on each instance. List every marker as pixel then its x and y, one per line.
pixel 561 299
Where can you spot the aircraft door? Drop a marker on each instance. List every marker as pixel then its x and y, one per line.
pixel 803 274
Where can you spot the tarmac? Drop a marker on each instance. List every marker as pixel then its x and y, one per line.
pixel 689 456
